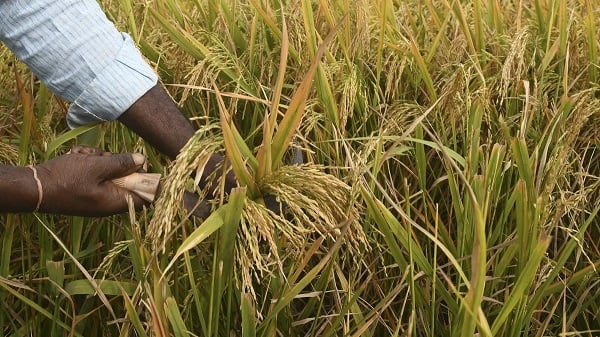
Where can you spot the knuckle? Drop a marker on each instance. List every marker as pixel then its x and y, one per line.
pixel 124 160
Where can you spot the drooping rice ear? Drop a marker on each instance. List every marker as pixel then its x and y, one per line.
pixel 145 185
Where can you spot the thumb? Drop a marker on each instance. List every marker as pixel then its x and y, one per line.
pixel 118 165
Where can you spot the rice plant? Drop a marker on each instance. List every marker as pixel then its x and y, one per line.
pixel 435 164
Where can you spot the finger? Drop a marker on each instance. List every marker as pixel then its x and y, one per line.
pixel 118 165
pixel 88 150
pixel 138 202
pixel 118 203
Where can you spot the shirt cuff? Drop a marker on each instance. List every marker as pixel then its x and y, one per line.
pixel 120 84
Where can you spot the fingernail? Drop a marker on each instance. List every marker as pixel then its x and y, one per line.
pixel 138 158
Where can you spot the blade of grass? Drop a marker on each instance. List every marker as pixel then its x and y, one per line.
pixel 209 226
pixel 228 233
pixel 67 136
pixel 469 318
pixel 56 272
pixel 295 111
pixel 224 259
pixel 81 268
pixel 232 149
pixel 26 101
pixel 382 30
pixel 387 222
pixel 462 18
pixel 478 18
pixel 108 287
pixel 194 288
pixel 264 154
pixel 174 315
pixel 546 289
pixel 6 285
pixel 267 18
pixel 186 41
pixel 174 10
pixel 131 20
pixel 523 283
pixel 322 85
pixel 592 43
pixel 133 316
pixel 248 316
pixel 292 290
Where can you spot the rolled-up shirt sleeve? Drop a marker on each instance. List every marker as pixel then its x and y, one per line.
pixel 79 54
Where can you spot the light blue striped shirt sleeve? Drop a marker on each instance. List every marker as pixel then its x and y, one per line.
pixel 79 54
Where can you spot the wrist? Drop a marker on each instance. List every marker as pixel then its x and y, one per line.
pixel 40 189
pixel 19 189
pixel 156 118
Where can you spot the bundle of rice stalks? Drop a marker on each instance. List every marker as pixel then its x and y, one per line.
pixel 315 205
pixel 192 159
pixel 281 221
pixel 312 204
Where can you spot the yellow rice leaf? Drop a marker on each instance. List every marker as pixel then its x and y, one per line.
pixel 264 155
pixel 295 111
pixel 232 148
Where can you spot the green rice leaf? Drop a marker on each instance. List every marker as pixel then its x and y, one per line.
pixel 67 136
pixel 295 112
pixel 108 287
pixel 175 318
pixel 248 316
pixel 232 147
pixel 133 316
pixel 523 284
pixel 207 228
pixel 6 285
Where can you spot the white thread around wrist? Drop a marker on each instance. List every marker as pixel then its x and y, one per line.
pixel 39 188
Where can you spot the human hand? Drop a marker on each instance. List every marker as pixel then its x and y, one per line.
pixel 216 161
pixel 79 183
pixel 82 149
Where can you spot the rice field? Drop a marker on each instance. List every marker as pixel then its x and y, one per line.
pixel 437 161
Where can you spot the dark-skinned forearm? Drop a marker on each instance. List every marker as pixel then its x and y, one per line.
pixel 156 118
pixel 18 189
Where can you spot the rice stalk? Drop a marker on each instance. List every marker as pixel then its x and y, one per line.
pixel 132 314
pixel 191 160
pixel 316 204
pixel 592 44
pixel 113 254
pixel 514 67
pixel 9 286
pixel 517 117
pixel 236 150
pixel 8 153
pixel 26 101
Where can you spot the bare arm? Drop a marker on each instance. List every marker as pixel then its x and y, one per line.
pixel 99 69
pixel 72 184
pixel 19 189
pixel 156 118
